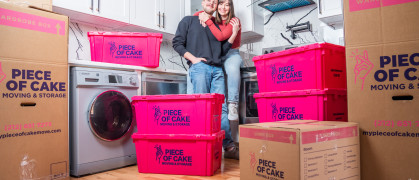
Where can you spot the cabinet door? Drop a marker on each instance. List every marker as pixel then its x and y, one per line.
pixel 173 12
pixel 250 16
pixel 144 13
pixel 84 6
pixel 330 7
pixel 243 13
pixel 330 11
pixel 113 9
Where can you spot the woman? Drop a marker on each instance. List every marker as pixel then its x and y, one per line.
pixel 229 26
pixel 225 19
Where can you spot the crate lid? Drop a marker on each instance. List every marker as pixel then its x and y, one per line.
pixel 299 50
pixel 306 92
pixel 127 34
pixel 205 137
pixel 178 97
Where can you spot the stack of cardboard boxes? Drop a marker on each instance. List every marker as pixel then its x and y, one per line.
pixel 382 52
pixel 33 94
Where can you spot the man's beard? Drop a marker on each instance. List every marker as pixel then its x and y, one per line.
pixel 208 11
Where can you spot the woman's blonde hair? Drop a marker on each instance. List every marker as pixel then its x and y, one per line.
pixel 230 13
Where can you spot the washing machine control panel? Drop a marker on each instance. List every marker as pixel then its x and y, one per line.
pixel 106 78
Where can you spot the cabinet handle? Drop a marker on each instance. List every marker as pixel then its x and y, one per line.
pixel 159 19
pixel 163 21
pixel 320 7
pixel 91 5
pixel 98 6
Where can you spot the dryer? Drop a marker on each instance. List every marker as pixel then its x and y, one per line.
pixel 101 119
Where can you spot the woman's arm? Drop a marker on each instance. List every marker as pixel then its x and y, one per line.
pixel 221 35
pixel 227 44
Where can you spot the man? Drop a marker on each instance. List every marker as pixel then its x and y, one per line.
pixel 203 51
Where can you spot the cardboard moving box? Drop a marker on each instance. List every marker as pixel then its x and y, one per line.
pixel 299 150
pixel 34 125
pixel 382 55
pixel 33 35
pixel 44 4
pixel 33 94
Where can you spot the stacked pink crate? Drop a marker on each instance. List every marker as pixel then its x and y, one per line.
pixel 307 82
pixel 179 134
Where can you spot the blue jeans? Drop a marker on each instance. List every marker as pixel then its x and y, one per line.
pixel 210 79
pixel 232 66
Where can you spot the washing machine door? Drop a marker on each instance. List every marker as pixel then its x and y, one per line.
pixel 110 115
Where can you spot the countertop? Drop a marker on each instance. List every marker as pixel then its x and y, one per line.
pixel 104 65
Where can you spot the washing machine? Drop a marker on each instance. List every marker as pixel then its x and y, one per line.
pixel 101 119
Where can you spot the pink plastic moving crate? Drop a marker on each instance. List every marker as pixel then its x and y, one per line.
pixel 178 114
pixel 323 105
pixel 315 66
pixel 129 48
pixel 193 154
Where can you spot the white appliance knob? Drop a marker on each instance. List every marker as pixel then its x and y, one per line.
pixel 132 81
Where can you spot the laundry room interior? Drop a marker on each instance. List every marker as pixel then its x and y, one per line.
pixel 209 89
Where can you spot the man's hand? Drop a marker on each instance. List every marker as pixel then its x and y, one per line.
pixel 197 60
pixel 192 58
pixel 203 17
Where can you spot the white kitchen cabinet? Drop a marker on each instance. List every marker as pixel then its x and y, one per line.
pixel 113 9
pixel 109 13
pixel 159 15
pixel 251 18
pixel 82 6
pixel 144 13
pixel 174 11
pixel 330 11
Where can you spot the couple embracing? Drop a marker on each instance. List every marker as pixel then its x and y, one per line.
pixel 211 46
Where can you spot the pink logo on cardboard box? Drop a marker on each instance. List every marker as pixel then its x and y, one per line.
pixel 395 2
pixel 31 22
pixel 363 66
pixel 2 74
pixel 269 135
pixel 358 5
pixel 328 134
pixel 252 161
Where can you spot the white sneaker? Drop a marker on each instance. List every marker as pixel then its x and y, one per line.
pixel 233 111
